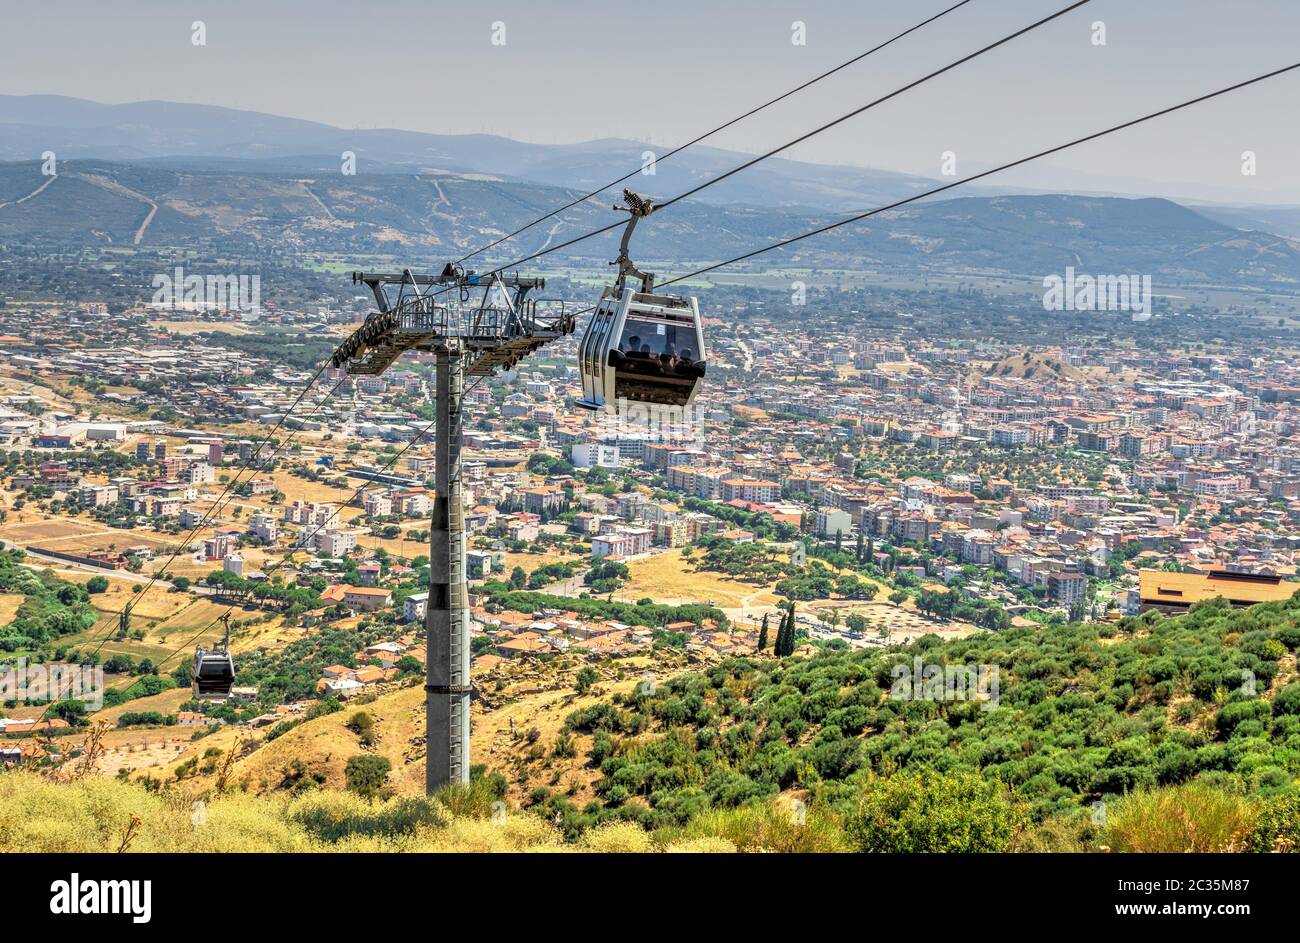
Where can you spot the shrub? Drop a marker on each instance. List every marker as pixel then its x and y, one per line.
pixel 366 774
pixel 477 799
pixel 360 722
pixel 1277 825
pixel 332 816
pixel 1287 700
pixel 1238 712
pixel 92 813
pixel 928 811
pixel 146 718
pixel 363 725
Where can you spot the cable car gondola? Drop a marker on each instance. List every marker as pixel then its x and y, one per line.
pixel 214 669
pixel 640 346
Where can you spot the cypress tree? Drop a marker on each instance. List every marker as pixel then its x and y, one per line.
pixel 762 634
pixel 785 635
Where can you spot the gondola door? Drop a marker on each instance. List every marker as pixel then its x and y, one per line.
pixel 593 352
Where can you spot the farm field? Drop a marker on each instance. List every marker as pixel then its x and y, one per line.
pixel 75 535
pixel 27 530
pixel 168 619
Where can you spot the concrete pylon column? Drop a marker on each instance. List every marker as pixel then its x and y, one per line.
pixel 447 687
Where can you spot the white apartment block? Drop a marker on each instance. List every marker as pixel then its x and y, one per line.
pixel 415 606
pixel 379 504
pixel 594 455
pixel 264 526
pixel 336 543
pixel 622 543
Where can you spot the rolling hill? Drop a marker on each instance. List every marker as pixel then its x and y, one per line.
pixel 225 138
pixel 428 216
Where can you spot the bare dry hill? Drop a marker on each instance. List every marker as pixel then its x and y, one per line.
pixel 517 716
pixel 1041 365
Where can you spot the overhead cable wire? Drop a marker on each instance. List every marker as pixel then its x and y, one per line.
pixel 722 127
pixel 988 173
pixel 620 223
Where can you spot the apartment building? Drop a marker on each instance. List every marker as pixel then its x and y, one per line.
pixel 753 490
pixel 622 543
pixel 265 526
pixel 95 496
pixel 335 543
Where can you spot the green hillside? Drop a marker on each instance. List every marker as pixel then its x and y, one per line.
pixel 1084 715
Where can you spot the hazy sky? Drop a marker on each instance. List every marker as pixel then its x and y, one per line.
pixel 664 70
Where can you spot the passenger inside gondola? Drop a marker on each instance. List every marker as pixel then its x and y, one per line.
pixel 655 361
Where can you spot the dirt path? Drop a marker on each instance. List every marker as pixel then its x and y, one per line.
pixel 36 192
pixel 319 202
pixel 139 233
pixel 112 186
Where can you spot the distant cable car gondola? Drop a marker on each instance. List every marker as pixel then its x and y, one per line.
pixel 214 669
pixel 639 346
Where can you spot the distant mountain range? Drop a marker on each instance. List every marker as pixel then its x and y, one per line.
pixel 227 139
pixel 165 174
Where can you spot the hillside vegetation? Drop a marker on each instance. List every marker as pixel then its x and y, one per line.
pixel 1088 718
pixel 1151 734
pixel 161 204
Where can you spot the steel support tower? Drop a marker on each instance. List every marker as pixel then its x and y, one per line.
pixel 435 314
pixel 447 687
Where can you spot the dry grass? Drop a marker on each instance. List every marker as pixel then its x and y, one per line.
pixel 94 814
pixel 321 748
pixel 1193 817
pixel 9 603
pixel 668 578
pixel 27 528
pixel 779 826
pixel 300 489
pixel 531 561
pixel 201 327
